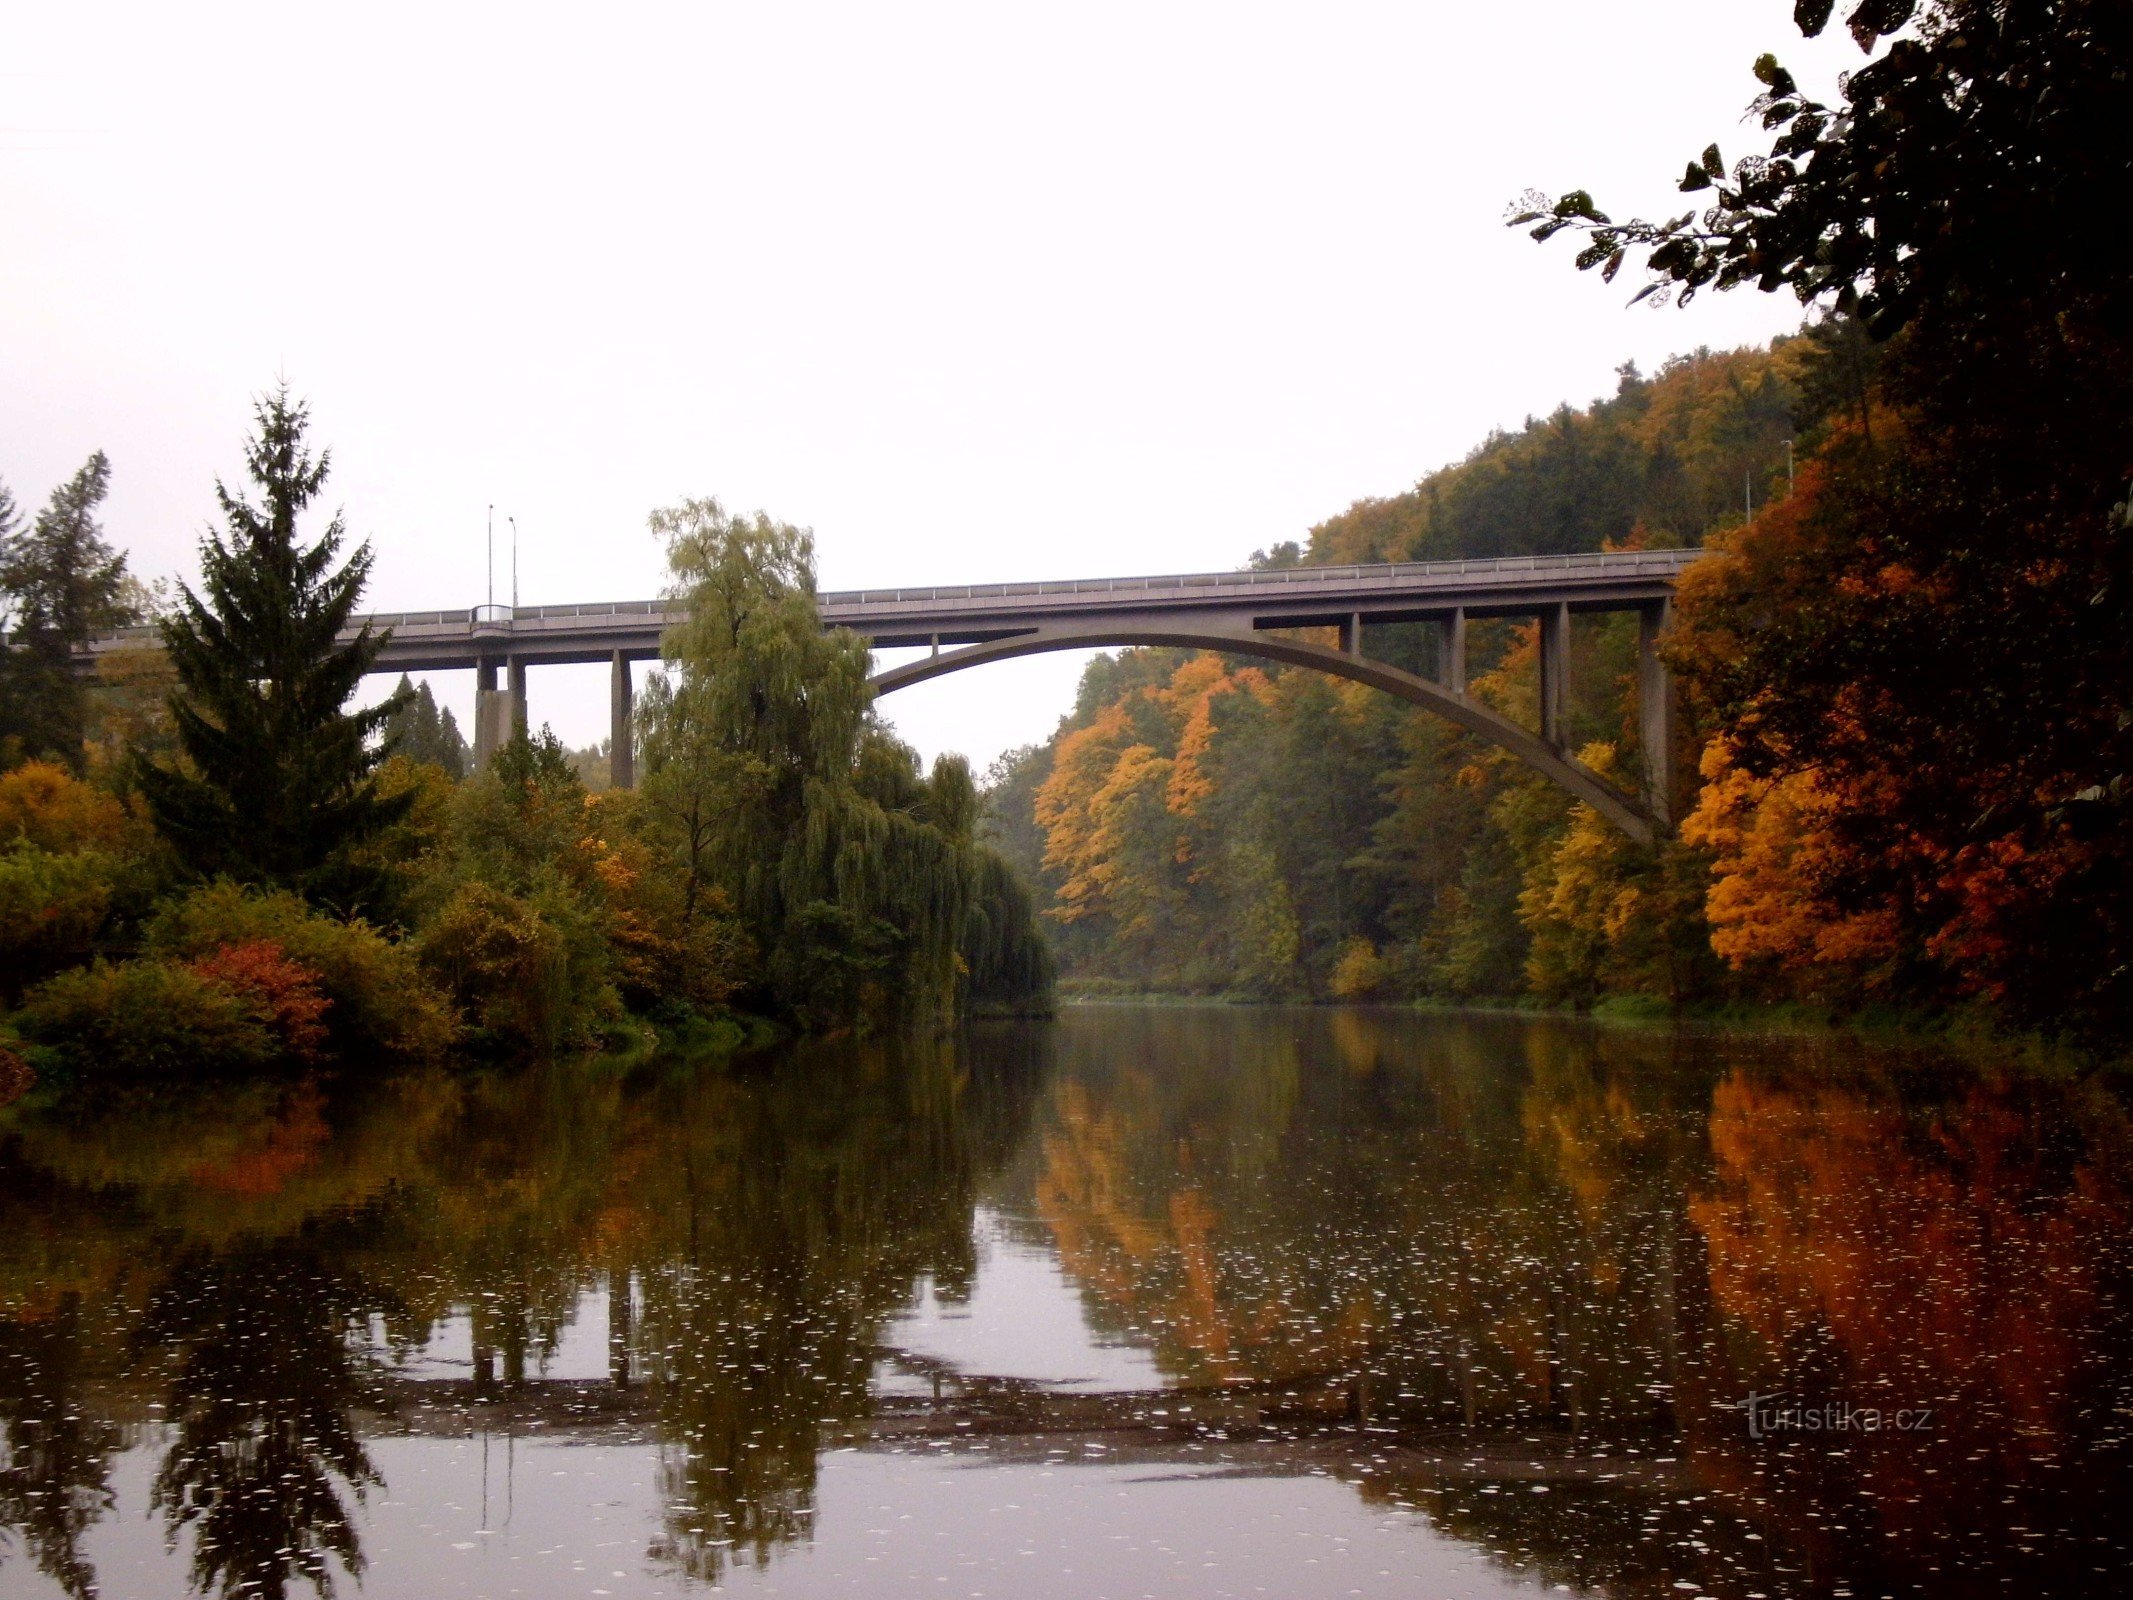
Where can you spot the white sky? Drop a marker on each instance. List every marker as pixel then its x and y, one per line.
pixel 978 292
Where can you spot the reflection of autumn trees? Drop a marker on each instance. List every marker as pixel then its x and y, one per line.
pixel 229 1253
pixel 1410 1217
pixel 1966 1254
pixel 793 1215
pixel 1558 1252
pixel 1597 1242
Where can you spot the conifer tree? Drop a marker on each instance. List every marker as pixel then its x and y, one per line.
pixel 61 583
pixel 422 731
pixel 282 777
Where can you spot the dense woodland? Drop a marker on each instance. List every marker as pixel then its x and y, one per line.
pixel 209 862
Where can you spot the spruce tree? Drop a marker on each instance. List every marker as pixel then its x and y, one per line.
pixel 422 731
pixel 281 781
pixel 61 582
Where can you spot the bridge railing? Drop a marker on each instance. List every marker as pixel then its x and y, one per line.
pixel 1627 562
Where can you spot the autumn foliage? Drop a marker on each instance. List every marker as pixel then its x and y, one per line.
pixel 284 992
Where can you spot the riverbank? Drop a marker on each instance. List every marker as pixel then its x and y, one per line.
pixel 1965 1033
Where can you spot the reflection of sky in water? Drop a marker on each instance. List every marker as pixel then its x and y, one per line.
pixel 480 1518
pixel 580 1353
pixel 1024 1319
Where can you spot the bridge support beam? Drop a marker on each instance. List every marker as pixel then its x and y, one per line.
pixel 1451 651
pixel 1655 711
pixel 1554 674
pixel 621 745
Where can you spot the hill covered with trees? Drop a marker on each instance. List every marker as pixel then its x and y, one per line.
pixel 1204 825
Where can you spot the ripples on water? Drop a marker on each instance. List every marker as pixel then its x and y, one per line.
pixel 1177 1301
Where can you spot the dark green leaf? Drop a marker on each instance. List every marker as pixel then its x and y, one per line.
pixel 1877 19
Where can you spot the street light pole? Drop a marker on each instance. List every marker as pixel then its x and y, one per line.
pixel 492 555
pixel 514 563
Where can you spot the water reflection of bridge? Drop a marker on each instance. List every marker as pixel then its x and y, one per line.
pixel 1268 1428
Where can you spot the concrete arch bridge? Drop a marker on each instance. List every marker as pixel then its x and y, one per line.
pixel 1251 613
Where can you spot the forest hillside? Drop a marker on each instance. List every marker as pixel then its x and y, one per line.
pixel 1201 824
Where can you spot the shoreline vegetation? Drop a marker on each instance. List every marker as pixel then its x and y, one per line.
pixel 215 867
pixel 1973 1036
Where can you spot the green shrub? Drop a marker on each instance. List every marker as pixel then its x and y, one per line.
pixel 147 1016
pixel 529 972
pixel 52 907
pixel 381 997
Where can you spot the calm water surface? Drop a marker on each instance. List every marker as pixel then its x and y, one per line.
pixel 1148 1301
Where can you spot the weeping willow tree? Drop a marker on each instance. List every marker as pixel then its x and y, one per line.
pixel 859 878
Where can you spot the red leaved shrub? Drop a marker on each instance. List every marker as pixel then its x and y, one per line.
pixel 286 992
pixel 15 1077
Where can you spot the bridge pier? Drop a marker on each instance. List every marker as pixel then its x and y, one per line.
pixel 1554 673
pixel 498 713
pixel 1655 711
pixel 1451 651
pixel 621 742
pixel 486 710
pixel 517 675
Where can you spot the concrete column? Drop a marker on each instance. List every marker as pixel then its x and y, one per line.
pixel 518 695
pixel 1655 711
pixel 621 744
pixel 1554 672
pixel 488 715
pixel 1451 651
pixel 1354 630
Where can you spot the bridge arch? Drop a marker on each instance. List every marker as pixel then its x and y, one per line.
pixel 1624 811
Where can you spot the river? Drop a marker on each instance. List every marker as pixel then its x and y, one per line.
pixel 1150 1300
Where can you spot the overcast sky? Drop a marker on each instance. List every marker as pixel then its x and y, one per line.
pixel 977 292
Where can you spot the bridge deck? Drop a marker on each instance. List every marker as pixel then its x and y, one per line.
pixel 976 613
